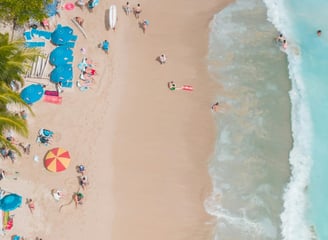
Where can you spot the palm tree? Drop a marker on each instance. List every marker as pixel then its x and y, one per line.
pixel 20 12
pixel 15 60
pixel 10 120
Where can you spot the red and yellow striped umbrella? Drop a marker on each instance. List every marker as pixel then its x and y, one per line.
pixel 57 160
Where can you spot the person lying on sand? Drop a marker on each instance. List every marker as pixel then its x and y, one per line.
pixel 172 86
pixel 86 83
pixel 86 77
pixel 79 20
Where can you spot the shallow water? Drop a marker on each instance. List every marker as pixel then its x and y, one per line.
pixel 250 166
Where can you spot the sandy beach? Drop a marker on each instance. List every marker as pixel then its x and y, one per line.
pixel 146 148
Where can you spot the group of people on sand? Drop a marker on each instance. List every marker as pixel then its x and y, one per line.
pixel 78 197
pixel 88 72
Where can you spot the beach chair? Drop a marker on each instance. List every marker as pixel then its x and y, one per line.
pixel 43 34
pixel 34 32
pixel 34 44
pixel 27 36
pixel 46 133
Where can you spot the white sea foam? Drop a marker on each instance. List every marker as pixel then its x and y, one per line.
pixel 294 225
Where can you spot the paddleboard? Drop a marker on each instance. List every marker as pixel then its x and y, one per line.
pixel 112 16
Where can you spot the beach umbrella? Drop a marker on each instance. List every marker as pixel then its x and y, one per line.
pixel 57 159
pixel 10 202
pixel 61 35
pixel 61 55
pixel 62 73
pixel 32 93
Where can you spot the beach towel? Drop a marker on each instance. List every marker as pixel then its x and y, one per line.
pixel 51 93
pixel 52 99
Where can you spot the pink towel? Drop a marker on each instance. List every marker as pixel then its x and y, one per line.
pixel 52 99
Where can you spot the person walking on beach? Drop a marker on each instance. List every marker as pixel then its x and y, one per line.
pixel 127 8
pixel 145 24
pixel 137 10
pixel 162 58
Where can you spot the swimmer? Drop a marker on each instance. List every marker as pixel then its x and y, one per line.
pixel 284 44
pixel 319 33
pixel 280 38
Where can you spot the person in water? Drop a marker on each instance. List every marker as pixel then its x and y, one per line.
pixel 280 38
pixel 319 33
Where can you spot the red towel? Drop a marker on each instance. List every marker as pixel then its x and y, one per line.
pixel 187 88
pixel 51 93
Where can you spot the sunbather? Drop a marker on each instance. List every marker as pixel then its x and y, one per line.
pixel 90 70
pixel 86 77
pixel 85 83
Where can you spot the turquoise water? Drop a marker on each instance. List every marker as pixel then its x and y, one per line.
pixel 299 21
pixel 268 169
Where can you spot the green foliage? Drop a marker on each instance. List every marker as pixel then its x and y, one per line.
pixel 15 60
pixel 20 11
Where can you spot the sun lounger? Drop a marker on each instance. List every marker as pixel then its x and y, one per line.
pixel 52 99
pixel 43 34
pixel 34 44
pixel 28 36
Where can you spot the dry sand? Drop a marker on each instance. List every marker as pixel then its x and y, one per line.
pixel 146 148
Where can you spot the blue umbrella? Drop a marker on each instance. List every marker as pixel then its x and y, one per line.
pixel 61 56
pixel 10 202
pixel 62 73
pixel 61 35
pixel 32 93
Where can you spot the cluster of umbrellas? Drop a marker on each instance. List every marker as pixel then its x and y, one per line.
pixel 62 56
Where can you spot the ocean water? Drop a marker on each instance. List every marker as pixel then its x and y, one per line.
pixel 306 212
pixel 268 168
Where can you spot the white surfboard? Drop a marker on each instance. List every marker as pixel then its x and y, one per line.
pixel 112 16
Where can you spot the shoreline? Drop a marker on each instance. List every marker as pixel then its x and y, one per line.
pixel 146 148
